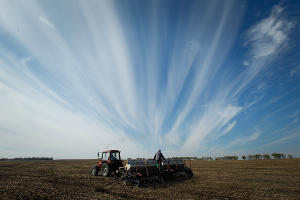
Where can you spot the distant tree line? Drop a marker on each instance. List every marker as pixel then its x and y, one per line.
pixel 266 156
pixel 185 158
pixel 227 158
pixel 206 158
pixel 28 158
pixel 248 157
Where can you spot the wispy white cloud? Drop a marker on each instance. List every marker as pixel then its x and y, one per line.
pixel 39 121
pixel 244 140
pixel 238 143
pixel 294 71
pixel 246 63
pixel 265 40
pixel 295 114
pixel 270 35
pixel 282 140
pixel 228 128
pixel 203 76
pixel 254 136
pixel 214 118
pixel 46 21
pixel 55 96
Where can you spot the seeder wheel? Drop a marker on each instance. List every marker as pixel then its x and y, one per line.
pixel 136 181
pixel 188 173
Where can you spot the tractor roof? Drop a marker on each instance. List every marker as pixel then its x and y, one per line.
pixel 111 151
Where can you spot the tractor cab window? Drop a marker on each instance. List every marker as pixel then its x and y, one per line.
pixel 115 156
pixel 105 156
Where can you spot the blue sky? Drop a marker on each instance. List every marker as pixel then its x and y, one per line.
pixel 198 78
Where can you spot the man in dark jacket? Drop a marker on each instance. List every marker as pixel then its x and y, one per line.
pixel 159 157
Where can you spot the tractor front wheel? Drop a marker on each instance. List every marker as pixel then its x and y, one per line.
pixel 105 170
pixel 95 171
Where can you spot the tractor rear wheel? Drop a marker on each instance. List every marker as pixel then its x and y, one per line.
pixel 105 170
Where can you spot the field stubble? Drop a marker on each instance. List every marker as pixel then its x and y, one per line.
pixel 70 179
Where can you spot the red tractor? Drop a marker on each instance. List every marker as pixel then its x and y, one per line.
pixel 108 163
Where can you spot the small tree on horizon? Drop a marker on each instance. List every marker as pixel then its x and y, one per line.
pixel 244 157
pixel 278 155
pixel 257 157
pixel 275 155
pixel 250 157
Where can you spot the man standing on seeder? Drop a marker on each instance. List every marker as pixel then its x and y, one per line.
pixel 159 157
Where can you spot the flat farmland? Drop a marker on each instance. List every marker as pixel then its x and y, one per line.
pixel 70 179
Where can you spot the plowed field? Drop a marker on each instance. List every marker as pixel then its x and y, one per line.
pixel 70 179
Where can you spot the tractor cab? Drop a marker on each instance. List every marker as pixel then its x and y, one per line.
pixel 108 162
pixel 110 155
